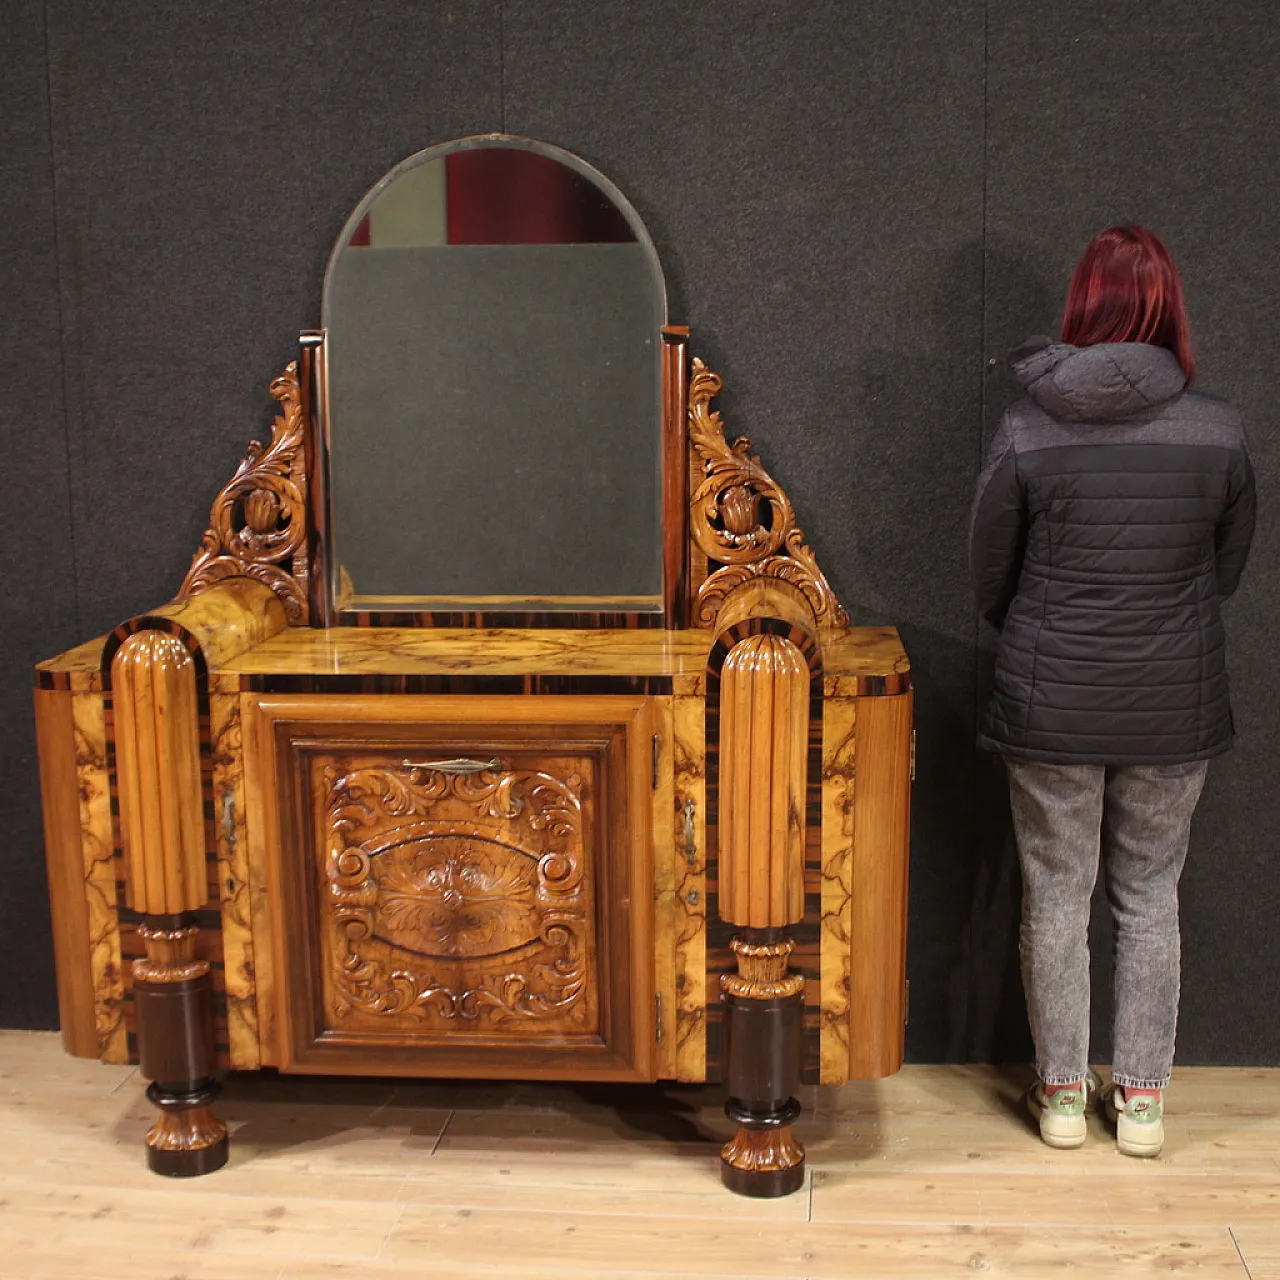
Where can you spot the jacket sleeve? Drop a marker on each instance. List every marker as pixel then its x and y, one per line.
pixel 998 528
pixel 1234 533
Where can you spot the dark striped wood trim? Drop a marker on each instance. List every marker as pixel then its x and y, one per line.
pixel 888 685
pixel 519 684
pixel 155 622
pixel 801 637
pixel 536 621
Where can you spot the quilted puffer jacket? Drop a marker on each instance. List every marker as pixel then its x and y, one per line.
pixel 1113 515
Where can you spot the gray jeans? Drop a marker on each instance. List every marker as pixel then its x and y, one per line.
pixel 1138 817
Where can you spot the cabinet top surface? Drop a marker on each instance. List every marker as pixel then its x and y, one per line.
pixel 859 651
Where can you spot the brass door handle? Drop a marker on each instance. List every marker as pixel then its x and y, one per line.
pixel 453 766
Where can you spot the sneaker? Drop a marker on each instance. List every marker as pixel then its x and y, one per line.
pixel 1139 1122
pixel 1061 1114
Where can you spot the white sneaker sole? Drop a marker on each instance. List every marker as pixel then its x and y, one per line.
pixel 1143 1150
pixel 1132 1139
pixel 1068 1137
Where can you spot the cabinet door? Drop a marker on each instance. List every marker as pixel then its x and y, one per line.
pixel 458 885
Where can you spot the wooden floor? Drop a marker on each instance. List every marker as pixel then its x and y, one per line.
pixel 933 1173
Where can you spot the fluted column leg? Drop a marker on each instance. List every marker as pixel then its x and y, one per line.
pixel 153 681
pixel 764 717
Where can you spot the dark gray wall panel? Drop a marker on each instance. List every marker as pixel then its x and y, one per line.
pixel 207 155
pixel 812 178
pixel 36 558
pixel 1167 117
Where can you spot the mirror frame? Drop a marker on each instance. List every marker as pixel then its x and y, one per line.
pixel 460 611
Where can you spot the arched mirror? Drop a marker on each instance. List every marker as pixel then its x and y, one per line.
pixel 493 312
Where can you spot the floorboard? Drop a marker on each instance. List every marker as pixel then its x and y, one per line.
pixel 932 1173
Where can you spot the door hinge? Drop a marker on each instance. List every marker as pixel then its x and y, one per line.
pixel 657 758
pixel 913 755
pixel 657 1002
pixel 906 1001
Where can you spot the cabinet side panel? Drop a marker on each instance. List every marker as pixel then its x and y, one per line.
pixel 55 741
pixel 261 839
pixel 689 803
pixel 97 846
pixel 878 886
pixel 839 721
pixel 230 825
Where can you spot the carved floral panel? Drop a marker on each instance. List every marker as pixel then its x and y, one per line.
pixel 457 896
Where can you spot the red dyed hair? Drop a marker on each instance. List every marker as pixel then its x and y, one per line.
pixel 1126 288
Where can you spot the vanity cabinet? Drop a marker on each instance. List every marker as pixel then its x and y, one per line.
pixel 632 815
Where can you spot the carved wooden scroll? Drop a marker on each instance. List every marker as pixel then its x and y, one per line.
pixel 258 523
pixel 741 519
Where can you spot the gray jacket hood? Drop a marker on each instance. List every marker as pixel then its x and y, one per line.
pixel 1096 384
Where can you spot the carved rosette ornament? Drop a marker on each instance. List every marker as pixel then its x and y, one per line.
pixel 457 894
pixel 740 517
pixel 258 523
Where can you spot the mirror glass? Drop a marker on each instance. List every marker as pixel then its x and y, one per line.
pixel 493 312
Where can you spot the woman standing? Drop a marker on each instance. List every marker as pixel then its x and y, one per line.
pixel 1113 516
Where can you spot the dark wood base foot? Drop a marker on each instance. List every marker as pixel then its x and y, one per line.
pixel 763 1011
pixel 762 1184
pixel 187 1139
pixel 173 994
pixel 763 1158
pixel 188 1164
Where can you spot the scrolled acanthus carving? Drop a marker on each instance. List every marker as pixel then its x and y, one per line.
pixel 741 519
pixel 762 1151
pixel 192 1130
pixel 482 870
pixel 258 523
pixel 171 956
pixel 762 971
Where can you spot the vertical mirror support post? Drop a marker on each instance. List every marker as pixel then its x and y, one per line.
pixel 765 684
pixel 156 709
pixel 313 390
pixel 675 476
